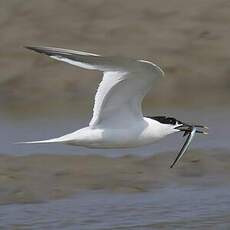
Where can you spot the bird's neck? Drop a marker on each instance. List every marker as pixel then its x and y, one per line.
pixel 158 129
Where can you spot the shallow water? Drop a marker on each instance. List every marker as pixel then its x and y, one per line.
pixel 166 208
pixel 195 201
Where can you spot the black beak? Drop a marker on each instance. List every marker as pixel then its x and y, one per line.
pixel 189 130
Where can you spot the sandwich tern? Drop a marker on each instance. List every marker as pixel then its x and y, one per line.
pixel 117 120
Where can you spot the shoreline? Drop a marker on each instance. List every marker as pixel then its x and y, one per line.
pixel 40 178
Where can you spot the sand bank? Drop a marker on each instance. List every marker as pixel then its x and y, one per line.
pixel 40 178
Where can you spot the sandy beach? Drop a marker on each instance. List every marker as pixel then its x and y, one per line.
pixel 40 178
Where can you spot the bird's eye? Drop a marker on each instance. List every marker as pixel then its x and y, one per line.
pixel 172 120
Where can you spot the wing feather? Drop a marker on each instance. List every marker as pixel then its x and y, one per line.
pixel 79 58
pixel 125 83
pixel 118 99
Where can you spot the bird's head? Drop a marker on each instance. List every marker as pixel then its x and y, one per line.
pixel 172 125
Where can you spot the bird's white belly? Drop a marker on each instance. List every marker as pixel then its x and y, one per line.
pixel 111 138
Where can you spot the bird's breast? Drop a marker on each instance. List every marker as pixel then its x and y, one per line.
pixel 113 138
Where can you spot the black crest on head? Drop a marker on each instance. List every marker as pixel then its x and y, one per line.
pixel 166 120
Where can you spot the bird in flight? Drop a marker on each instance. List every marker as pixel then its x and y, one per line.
pixel 117 120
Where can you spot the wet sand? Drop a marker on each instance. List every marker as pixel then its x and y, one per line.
pixel 40 178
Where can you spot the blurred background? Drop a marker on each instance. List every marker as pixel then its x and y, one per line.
pixel 41 98
pixel 188 39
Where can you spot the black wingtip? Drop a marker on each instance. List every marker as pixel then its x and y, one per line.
pixel 34 48
pixel 49 51
pixel 38 49
pixel 30 47
pixel 27 47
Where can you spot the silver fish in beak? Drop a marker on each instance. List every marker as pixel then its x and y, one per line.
pixel 189 130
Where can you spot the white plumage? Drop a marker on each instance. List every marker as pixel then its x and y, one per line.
pixel 117 120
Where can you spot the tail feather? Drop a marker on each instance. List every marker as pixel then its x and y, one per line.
pixel 54 140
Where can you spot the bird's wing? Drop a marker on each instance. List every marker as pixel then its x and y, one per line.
pixel 125 83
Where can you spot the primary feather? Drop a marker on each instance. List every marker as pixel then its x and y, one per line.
pixel 125 83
